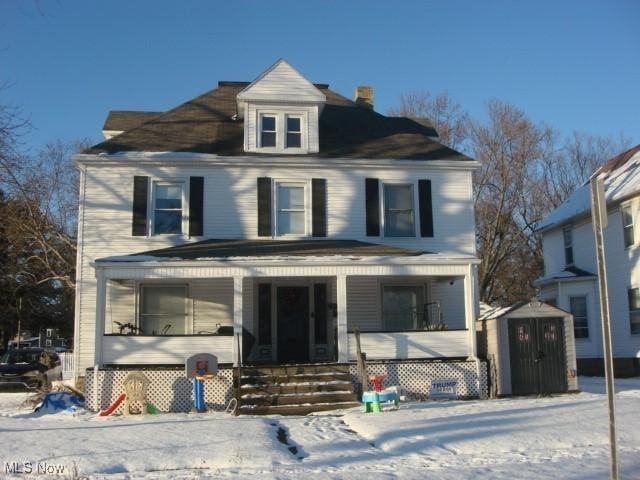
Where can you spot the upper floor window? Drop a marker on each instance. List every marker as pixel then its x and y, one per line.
pixel 634 309
pixel 294 132
pixel 49 332
pixel 578 308
pixel 398 210
pixel 567 235
pixel 290 208
pixel 167 207
pixel 627 226
pixel 268 131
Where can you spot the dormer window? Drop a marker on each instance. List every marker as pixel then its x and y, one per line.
pixel 294 132
pixel 268 131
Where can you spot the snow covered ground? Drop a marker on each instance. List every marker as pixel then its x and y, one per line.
pixel 563 437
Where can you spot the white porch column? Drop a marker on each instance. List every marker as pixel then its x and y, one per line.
pixel 237 319
pixel 341 300
pixel 470 309
pixel 101 301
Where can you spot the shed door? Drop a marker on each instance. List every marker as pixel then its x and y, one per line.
pixel 537 352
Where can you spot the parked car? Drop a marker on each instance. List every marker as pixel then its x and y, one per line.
pixel 29 367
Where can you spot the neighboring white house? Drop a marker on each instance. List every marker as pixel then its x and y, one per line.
pixel 570 279
pixel 283 213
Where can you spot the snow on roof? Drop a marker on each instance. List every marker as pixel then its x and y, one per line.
pixel 621 179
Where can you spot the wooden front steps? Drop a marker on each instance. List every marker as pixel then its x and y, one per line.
pixel 296 389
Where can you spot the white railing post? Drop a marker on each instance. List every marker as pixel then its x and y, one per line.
pixel 237 319
pixel 341 300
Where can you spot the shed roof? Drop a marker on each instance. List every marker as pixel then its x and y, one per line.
pixel 223 248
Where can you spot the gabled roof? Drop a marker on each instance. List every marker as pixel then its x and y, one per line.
pixel 218 249
pixel 621 180
pixel 281 82
pixel 568 274
pixel 534 307
pixel 209 124
pixel 123 120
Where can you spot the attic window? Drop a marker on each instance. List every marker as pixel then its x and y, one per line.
pixel 294 132
pixel 268 131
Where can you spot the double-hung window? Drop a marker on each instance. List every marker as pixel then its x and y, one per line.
pixel 402 306
pixel 578 308
pixel 268 131
pixel 163 309
pixel 567 236
pixel 294 132
pixel 167 207
pixel 290 208
pixel 634 309
pixel 398 210
pixel 627 226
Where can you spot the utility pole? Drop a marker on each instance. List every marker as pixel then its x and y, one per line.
pixel 19 319
pixel 600 220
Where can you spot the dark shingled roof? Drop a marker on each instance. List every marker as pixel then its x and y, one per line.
pixel 123 120
pixel 214 248
pixel 205 125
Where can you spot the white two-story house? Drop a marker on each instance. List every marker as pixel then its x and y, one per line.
pixel 570 270
pixel 265 222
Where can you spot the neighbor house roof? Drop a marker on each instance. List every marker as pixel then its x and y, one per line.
pixel 123 120
pixel 209 124
pixel 621 180
pixel 218 249
pixel 568 274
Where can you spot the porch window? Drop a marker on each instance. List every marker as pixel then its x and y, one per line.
pixel 167 208
pixel 398 210
pixel 290 204
pixel 401 306
pixel 578 308
pixel 634 310
pixel 163 310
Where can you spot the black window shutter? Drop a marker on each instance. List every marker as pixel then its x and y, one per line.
pixel 426 208
pixel 196 200
pixel 140 194
pixel 319 207
pixel 264 207
pixel 372 199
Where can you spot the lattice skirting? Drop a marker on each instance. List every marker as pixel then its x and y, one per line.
pixel 414 377
pixel 169 390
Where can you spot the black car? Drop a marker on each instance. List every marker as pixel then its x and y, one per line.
pixel 29 367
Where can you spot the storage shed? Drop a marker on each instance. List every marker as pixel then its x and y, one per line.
pixel 529 347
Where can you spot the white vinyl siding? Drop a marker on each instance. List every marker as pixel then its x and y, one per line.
pixel 230 212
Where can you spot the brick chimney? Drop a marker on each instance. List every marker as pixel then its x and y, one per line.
pixel 364 96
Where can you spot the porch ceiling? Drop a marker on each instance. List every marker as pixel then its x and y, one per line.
pixel 223 249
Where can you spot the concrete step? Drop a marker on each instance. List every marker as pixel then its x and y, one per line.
pixel 262 379
pixel 302 409
pixel 291 387
pixel 299 399
pixel 307 368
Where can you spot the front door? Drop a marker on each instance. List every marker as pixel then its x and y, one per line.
pixel 293 324
pixel 537 355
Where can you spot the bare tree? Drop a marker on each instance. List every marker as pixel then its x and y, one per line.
pixel 447 116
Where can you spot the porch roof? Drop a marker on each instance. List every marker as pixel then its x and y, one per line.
pixel 214 249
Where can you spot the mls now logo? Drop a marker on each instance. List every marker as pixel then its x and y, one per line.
pixel 31 467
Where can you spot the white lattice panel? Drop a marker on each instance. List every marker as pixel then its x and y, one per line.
pixel 414 378
pixel 169 390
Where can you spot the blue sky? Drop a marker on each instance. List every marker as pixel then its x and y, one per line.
pixel 574 64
